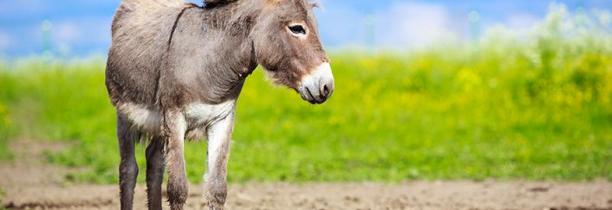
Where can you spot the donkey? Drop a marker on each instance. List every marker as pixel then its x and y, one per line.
pixel 175 71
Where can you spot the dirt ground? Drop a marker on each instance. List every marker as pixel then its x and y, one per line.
pixel 28 183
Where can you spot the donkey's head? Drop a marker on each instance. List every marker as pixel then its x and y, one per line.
pixel 286 43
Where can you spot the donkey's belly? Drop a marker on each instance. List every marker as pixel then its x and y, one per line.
pixel 141 117
pixel 197 115
pixel 200 115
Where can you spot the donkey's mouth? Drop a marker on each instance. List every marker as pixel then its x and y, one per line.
pixel 312 98
pixel 317 86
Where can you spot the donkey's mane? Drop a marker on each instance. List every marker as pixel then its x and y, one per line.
pixel 216 3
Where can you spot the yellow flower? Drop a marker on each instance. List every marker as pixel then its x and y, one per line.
pixel 469 79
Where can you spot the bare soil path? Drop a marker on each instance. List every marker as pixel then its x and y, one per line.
pixel 29 183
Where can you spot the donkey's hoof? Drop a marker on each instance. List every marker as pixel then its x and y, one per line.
pixel 217 206
pixel 214 204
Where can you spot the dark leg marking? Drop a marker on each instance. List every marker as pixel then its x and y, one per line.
pixel 155 173
pixel 128 168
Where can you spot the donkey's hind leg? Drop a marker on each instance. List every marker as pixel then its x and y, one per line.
pixel 173 136
pixel 155 173
pixel 128 168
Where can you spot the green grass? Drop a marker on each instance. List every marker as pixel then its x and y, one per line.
pixel 5 127
pixel 539 109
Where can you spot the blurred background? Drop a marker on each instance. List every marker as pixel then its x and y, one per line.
pixel 81 28
pixel 426 90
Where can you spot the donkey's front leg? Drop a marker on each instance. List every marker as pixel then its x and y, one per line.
pixel 215 180
pixel 174 132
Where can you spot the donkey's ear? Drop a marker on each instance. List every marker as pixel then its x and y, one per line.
pixel 314 4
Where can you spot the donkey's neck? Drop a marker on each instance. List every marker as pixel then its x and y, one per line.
pixel 236 18
pixel 210 55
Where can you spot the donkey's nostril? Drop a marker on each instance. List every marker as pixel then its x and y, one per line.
pixel 325 91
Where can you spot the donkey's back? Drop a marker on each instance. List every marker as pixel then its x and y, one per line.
pixel 140 33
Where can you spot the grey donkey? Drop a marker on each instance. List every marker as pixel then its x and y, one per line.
pixel 175 71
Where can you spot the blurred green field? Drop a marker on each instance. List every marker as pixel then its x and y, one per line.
pixel 505 109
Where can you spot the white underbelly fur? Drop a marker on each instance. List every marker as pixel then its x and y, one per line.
pixel 196 115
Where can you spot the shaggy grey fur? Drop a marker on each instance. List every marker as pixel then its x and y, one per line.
pixel 167 54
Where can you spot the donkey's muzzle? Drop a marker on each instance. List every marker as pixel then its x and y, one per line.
pixel 318 86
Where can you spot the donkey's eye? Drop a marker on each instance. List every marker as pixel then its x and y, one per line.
pixel 297 30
